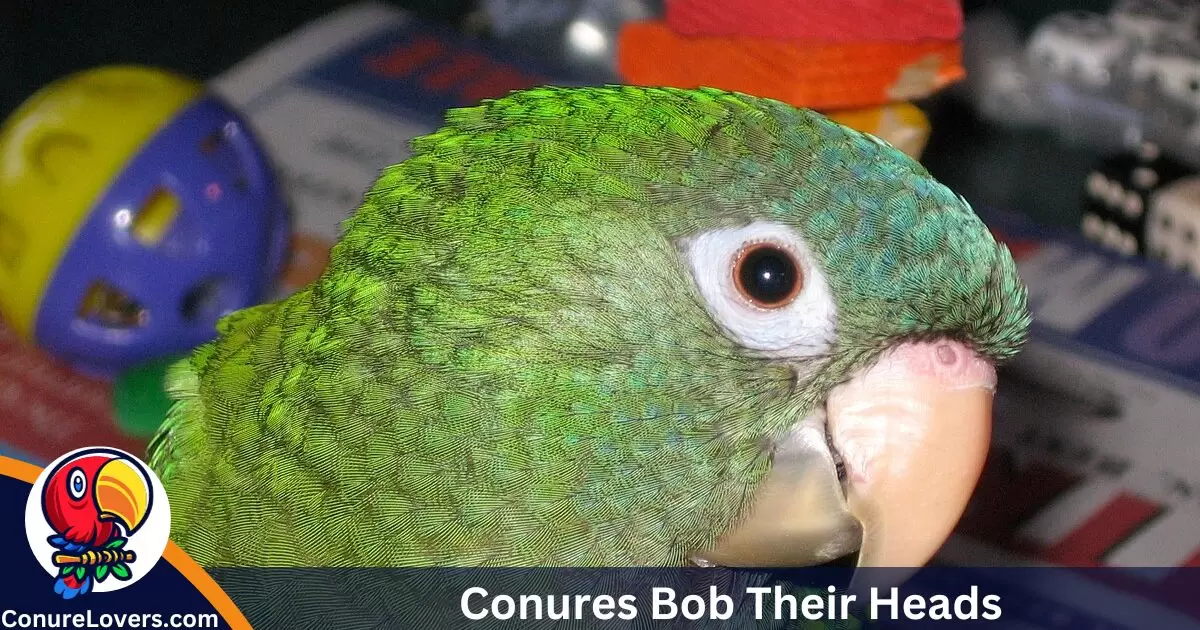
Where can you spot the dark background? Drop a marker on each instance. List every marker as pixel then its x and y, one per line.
pixel 1026 171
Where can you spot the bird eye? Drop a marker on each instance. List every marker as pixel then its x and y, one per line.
pixel 76 484
pixel 767 275
pixel 764 286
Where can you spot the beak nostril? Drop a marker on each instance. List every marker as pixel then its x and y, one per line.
pixel 946 355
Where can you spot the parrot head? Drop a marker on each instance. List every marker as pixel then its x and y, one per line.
pixel 794 313
pixel 89 496
pixel 618 326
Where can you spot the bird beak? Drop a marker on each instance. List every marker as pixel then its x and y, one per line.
pixel 912 433
pixel 123 493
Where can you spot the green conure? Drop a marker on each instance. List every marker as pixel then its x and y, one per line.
pixel 611 326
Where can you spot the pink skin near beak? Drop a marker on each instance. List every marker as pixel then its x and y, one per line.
pixel 913 433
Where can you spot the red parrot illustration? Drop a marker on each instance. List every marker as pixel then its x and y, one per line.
pixel 94 502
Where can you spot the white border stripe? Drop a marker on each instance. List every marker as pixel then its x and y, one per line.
pixel 1166 542
pixel 1056 521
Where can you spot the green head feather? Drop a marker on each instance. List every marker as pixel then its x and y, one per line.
pixel 508 360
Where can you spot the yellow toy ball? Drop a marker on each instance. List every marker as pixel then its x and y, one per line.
pixel 121 190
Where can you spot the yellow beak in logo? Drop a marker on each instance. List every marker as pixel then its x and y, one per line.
pixel 123 493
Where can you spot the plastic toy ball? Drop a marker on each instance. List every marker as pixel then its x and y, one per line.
pixel 136 209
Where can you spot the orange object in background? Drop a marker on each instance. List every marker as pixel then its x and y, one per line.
pixel 309 257
pixel 820 20
pixel 817 76
pixel 903 125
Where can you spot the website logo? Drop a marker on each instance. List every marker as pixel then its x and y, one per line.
pixel 97 520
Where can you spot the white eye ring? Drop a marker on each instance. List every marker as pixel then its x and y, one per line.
pixel 77 484
pixel 805 326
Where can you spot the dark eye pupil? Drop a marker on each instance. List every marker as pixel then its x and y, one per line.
pixel 78 483
pixel 768 275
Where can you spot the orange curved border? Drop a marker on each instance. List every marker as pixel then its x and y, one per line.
pixel 194 573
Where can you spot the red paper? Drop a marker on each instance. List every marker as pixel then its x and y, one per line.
pixel 47 409
pixel 820 20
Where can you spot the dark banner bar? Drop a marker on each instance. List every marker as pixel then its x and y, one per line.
pixel 941 597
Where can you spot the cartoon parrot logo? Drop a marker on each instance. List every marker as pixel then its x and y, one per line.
pixel 95 503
